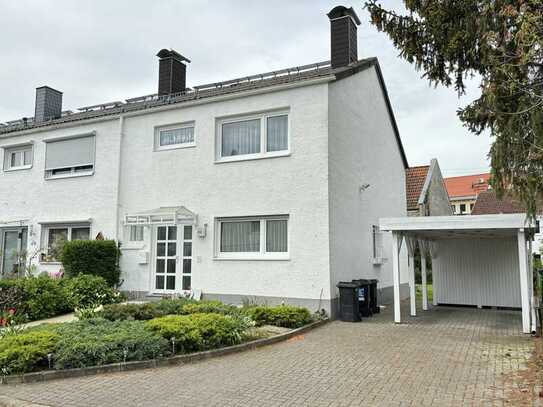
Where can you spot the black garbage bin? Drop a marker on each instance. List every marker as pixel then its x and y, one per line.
pixel 373 296
pixel 364 299
pixel 348 301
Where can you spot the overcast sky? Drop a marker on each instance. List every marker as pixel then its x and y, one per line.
pixel 101 50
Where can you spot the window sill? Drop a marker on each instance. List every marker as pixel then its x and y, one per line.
pixel 252 258
pixel 75 175
pixel 251 157
pixel 23 167
pixel 175 147
pixel 51 263
pixel 133 246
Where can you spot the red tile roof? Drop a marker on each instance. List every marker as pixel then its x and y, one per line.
pixel 414 181
pixel 467 185
pixel 488 204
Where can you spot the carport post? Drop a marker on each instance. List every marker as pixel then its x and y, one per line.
pixel 396 243
pixel 524 288
pixel 424 284
pixel 412 287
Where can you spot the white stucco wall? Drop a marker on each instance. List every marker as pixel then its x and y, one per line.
pixel 363 150
pixel 26 195
pixel 295 185
pixel 477 272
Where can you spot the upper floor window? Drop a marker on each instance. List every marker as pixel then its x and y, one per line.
pixel 17 158
pixel 71 157
pixel 176 136
pixel 255 136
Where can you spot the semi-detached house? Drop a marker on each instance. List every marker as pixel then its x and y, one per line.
pixel 268 187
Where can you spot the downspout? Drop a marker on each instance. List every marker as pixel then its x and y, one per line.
pixel 118 202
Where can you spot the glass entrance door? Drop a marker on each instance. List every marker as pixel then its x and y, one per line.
pixel 13 245
pixel 166 259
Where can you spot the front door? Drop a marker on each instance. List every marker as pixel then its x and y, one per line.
pixel 12 251
pixel 166 257
pixel 172 259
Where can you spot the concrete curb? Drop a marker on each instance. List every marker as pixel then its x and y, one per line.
pixel 154 363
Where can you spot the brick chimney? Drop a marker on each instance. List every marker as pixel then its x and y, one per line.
pixel 343 32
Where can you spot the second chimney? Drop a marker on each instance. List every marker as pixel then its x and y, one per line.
pixel 172 72
pixel 48 104
pixel 343 32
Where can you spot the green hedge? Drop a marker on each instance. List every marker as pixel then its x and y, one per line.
pixel 145 311
pixel 99 342
pixel 26 351
pixel 35 298
pixel 200 331
pixel 286 316
pixel 95 257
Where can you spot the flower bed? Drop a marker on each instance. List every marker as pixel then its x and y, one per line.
pixel 133 333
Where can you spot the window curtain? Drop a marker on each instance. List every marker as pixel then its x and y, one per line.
pixel 240 236
pixel 240 138
pixel 277 133
pixel 276 236
pixel 177 136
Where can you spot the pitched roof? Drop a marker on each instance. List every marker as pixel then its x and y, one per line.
pixel 239 85
pixel 488 204
pixel 414 182
pixel 467 185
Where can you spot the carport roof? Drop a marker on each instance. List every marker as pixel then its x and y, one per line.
pixel 433 227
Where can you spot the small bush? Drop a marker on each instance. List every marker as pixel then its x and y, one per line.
pixel 286 316
pixel 98 342
pixel 26 351
pixel 145 311
pixel 87 291
pixel 43 297
pixel 207 307
pixel 12 298
pixel 200 331
pixel 95 257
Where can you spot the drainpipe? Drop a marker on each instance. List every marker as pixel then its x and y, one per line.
pixel 118 203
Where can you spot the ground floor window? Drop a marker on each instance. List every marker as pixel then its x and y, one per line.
pixel 252 237
pixel 55 236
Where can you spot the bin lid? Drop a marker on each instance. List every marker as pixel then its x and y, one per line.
pixel 362 281
pixel 374 280
pixel 346 284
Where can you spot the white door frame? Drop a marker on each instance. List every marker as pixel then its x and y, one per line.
pixel 3 232
pixel 179 258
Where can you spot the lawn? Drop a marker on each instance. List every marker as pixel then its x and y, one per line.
pixel 419 293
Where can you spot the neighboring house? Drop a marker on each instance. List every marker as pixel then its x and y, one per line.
pixel 463 191
pixel 268 186
pixel 487 203
pixel 426 192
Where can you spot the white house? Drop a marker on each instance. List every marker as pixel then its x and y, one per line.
pixel 268 187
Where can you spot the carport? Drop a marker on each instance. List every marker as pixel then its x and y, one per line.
pixel 480 260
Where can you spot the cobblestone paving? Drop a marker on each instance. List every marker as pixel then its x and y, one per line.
pixel 444 357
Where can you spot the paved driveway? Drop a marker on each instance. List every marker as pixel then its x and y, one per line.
pixel 448 356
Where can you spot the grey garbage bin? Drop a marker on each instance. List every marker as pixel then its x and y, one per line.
pixel 364 299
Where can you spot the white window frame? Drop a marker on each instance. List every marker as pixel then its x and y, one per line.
pixel 71 172
pixel 377 245
pixel 263 117
pixel 159 129
pixel 19 149
pixel 69 226
pixel 129 229
pixel 261 254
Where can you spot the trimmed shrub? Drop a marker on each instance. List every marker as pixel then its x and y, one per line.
pixel 200 331
pixel 87 291
pixel 286 316
pixel 98 342
pixel 207 307
pixel 26 351
pixel 145 311
pixel 95 257
pixel 43 297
